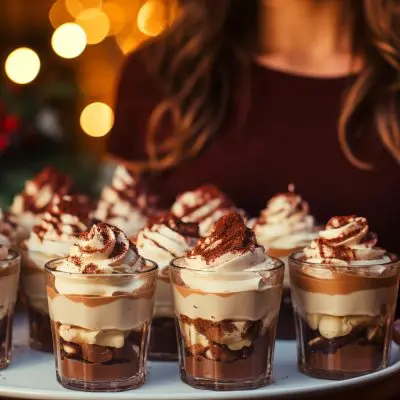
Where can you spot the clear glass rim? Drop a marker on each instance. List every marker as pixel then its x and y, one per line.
pixel 278 265
pixel 394 259
pixel 12 256
pixel 153 269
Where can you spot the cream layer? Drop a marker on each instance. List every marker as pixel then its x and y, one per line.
pixel 246 305
pixel 122 313
pixel 369 302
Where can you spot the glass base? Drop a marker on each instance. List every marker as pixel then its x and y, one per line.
pixel 98 386
pixel 5 362
pixel 162 357
pixel 224 385
pixel 332 375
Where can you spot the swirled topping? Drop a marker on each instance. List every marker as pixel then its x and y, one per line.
pixel 124 204
pixel 59 227
pixel 37 195
pixel 166 238
pixel 285 222
pixel 104 249
pixel 231 246
pixel 230 255
pixel 344 241
pixel 204 205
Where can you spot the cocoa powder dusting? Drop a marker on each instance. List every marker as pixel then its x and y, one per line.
pixel 186 229
pixel 229 235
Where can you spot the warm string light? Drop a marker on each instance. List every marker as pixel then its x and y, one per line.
pixel 95 23
pixel 22 65
pixel 152 18
pixel 97 119
pixel 69 40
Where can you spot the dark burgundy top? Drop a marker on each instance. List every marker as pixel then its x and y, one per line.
pixel 290 137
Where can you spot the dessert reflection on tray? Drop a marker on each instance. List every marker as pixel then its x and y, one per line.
pixel 108 286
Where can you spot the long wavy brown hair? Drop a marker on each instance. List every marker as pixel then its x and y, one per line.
pixel 194 59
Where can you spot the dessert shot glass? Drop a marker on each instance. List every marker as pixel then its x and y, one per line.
pixel 226 332
pixel 100 325
pixel 9 278
pixel 163 341
pixel 33 283
pixel 343 316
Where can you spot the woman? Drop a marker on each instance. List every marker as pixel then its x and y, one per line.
pixel 252 95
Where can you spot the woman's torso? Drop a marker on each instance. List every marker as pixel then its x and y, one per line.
pixel 289 136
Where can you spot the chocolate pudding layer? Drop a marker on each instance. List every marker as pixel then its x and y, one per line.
pixel 344 291
pixel 227 294
pixel 161 241
pixel 101 303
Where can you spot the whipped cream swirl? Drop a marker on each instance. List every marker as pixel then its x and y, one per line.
pixel 230 255
pixel 58 228
pixel 104 249
pixel 205 206
pixel 285 223
pixel 345 241
pixel 37 195
pixel 166 238
pixel 124 204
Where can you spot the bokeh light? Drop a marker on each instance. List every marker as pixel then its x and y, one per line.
pixel 69 40
pixel 116 17
pixel 95 24
pixel 59 14
pixel 22 65
pixel 74 7
pixel 152 18
pixel 97 119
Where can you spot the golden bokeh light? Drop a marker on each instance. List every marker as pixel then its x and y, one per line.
pixel 116 17
pixel 128 42
pixel 22 65
pixel 97 119
pixel 152 18
pixel 95 24
pixel 59 14
pixel 69 40
pixel 74 7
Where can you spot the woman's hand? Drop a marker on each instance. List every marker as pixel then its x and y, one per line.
pixel 396 331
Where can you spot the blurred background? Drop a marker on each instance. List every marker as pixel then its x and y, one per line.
pixel 60 63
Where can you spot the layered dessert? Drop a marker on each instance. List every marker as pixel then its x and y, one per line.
pixel 53 235
pixel 9 277
pixel 204 206
pixel 344 291
pixel 125 203
pixel 37 195
pixel 227 294
pixel 101 300
pixel 163 240
pixel 284 227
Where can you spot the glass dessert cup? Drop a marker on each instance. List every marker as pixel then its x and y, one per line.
pixel 33 284
pixel 101 341
pixel 9 278
pixel 343 316
pixel 163 342
pixel 285 329
pixel 226 339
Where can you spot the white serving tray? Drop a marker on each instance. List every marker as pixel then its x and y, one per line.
pixel 32 376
